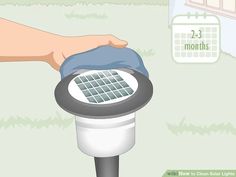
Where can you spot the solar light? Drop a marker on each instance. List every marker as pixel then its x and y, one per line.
pixel 104 103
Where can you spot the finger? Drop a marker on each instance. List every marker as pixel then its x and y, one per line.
pixel 112 41
pixel 55 59
pixel 116 42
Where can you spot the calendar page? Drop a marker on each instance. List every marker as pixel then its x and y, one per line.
pixel 195 39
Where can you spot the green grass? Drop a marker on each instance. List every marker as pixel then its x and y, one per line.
pixel 74 15
pixel 145 53
pixel 16 122
pixel 73 2
pixel 183 127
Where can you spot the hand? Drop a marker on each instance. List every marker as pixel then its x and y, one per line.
pixel 24 43
pixel 67 46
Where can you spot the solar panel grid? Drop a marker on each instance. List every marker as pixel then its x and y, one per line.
pixel 103 86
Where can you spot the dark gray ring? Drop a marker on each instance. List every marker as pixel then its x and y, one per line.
pixel 102 111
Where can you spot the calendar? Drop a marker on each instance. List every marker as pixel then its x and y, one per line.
pixel 195 38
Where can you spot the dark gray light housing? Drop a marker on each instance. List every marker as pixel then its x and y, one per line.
pixel 96 111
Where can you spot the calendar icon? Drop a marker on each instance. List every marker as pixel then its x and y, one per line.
pixel 195 39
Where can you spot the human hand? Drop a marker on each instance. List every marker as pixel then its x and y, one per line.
pixel 64 47
pixel 24 43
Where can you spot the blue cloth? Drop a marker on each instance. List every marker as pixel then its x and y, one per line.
pixel 105 57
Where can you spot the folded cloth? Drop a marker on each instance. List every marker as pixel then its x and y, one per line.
pixel 102 58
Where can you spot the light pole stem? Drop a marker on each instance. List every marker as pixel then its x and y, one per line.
pixel 107 166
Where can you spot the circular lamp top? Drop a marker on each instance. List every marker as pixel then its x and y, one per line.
pixel 100 94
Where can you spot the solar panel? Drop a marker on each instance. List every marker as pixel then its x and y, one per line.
pixel 103 86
